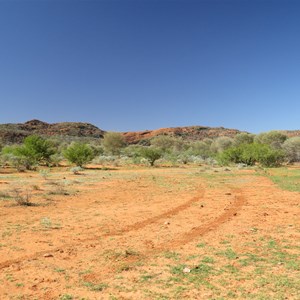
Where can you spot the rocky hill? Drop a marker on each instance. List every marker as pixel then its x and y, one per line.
pixel 187 133
pixel 15 133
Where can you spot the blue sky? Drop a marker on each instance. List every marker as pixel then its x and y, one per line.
pixel 146 64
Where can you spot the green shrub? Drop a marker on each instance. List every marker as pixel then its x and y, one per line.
pixel 151 154
pixel 38 148
pixel 250 154
pixel 14 157
pixel 76 170
pixel 79 154
pixel 35 150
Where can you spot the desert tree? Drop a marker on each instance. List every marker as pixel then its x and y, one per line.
pixel 113 142
pixel 34 150
pixel 291 148
pixel 152 154
pixel 79 154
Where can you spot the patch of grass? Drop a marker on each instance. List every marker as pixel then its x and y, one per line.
pixel 228 253
pixel 5 196
pixel 146 277
pixel 251 259
pixel 208 260
pixel 87 271
pixel 124 267
pixel 231 269
pixel 35 187
pixel 19 284
pixel 66 297
pixel 59 190
pixel 119 255
pixel 224 242
pixel 59 270
pixel 286 179
pixel 95 287
pixel 47 224
pixel 171 255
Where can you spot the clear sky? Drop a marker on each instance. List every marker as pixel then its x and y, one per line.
pixel 144 64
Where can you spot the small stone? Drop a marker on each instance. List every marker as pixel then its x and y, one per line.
pixel 48 255
pixel 167 223
pixel 186 270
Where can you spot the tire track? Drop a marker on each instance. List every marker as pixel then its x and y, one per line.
pixel 134 227
pixel 189 236
pixel 195 232
pixel 167 214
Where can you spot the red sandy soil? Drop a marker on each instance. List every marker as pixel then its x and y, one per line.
pixel 115 225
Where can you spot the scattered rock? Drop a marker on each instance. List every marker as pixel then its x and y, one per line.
pixel 167 223
pixel 48 255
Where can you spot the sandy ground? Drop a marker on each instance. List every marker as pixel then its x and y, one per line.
pixel 116 234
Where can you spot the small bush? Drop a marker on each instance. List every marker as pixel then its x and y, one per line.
pixel 79 154
pixel 45 174
pixel 55 159
pixel 22 199
pixel 151 154
pixel 76 170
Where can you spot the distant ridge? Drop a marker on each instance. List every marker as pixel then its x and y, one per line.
pixel 15 133
pixel 187 133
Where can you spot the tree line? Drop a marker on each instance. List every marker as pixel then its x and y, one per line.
pixel 268 149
